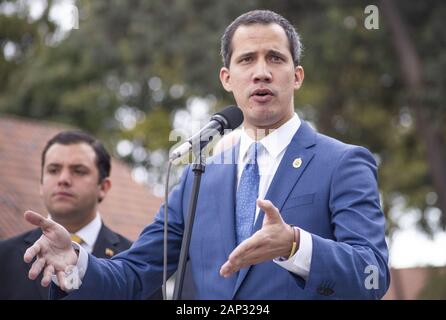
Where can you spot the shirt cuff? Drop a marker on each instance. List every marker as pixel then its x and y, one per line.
pixel 300 263
pixel 75 274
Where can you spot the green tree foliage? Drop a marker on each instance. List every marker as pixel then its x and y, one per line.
pixel 20 39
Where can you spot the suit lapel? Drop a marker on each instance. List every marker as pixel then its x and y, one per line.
pixel 106 240
pixel 226 175
pixel 285 178
pixel 287 174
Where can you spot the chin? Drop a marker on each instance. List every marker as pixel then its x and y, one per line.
pixel 61 211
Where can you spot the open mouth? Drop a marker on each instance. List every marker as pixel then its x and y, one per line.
pixel 262 93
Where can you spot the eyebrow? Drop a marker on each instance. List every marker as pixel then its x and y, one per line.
pixel 277 53
pixel 253 53
pixel 245 55
pixel 72 166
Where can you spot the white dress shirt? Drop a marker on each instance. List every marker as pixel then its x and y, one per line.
pixel 89 234
pixel 268 159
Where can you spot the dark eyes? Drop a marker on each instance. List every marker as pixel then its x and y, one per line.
pixel 246 59
pixel 80 172
pixel 276 59
pixel 52 170
pixel 272 58
pixel 76 171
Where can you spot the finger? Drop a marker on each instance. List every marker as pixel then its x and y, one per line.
pixel 38 220
pixel 230 267
pixel 243 249
pixel 232 264
pixel 266 205
pixel 271 212
pixel 61 280
pixel 36 268
pixel 244 259
pixel 47 274
pixel 227 269
pixel 31 252
pixel 241 257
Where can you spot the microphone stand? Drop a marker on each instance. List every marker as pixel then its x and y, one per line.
pixel 198 169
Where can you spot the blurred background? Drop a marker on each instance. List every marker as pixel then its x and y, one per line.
pixel 140 75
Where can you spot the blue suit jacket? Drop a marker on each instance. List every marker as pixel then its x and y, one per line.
pixel 333 195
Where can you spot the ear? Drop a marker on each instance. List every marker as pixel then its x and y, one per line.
pixel 104 187
pixel 299 75
pixel 225 79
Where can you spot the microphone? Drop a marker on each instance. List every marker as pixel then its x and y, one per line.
pixel 229 118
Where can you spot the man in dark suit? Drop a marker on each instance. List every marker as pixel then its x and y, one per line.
pixel 74 180
pixel 15 284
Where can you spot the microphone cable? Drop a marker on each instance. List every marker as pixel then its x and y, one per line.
pixel 166 196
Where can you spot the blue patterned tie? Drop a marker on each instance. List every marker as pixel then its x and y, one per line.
pixel 247 193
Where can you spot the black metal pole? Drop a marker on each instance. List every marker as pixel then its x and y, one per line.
pixel 198 169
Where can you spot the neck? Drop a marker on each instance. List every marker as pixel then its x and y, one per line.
pixel 257 132
pixel 74 225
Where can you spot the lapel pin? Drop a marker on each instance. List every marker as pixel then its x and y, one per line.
pixel 297 163
pixel 109 252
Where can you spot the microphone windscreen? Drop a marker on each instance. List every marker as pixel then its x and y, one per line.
pixel 233 115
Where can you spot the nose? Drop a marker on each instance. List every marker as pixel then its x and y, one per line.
pixel 64 178
pixel 262 72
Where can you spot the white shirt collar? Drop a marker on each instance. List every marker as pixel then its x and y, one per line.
pixel 275 142
pixel 90 232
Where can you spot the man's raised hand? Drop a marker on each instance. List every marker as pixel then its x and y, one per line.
pixel 273 240
pixel 53 251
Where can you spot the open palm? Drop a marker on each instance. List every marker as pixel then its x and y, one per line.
pixel 53 251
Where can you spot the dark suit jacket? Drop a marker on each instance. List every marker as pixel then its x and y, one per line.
pixel 14 282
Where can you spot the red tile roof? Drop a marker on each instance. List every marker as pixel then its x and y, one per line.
pixel 408 283
pixel 127 208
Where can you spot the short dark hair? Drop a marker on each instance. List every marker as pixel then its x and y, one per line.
pixel 262 17
pixel 74 137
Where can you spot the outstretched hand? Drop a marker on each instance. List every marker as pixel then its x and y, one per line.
pixel 273 240
pixel 53 251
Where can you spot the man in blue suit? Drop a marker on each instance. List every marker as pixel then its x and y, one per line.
pixel 315 232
